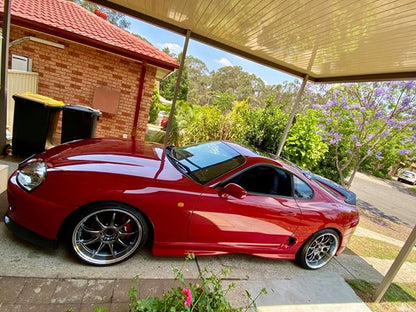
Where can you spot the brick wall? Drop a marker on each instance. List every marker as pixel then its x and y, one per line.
pixel 73 73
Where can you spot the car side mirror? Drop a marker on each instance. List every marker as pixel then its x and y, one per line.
pixel 232 189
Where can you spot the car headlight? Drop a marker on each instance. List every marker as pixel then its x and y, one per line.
pixel 32 175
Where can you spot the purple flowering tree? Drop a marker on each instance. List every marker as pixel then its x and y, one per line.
pixel 361 120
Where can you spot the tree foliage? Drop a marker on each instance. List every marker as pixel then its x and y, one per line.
pixel 167 85
pixel 223 101
pixel 233 80
pixel 155 105
pixel 265 127
pixel 198 77
pixel 360 120
pixel 304 146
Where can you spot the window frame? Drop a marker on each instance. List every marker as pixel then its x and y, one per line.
pixel 298 198
pixel 228 180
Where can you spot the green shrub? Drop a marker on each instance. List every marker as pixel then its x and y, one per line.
pixel 208 295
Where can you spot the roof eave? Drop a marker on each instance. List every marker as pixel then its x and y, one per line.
pixel 57 32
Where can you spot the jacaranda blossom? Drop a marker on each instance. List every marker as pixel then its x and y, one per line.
pixel 378 91
pixel 410 84
pixel 188 296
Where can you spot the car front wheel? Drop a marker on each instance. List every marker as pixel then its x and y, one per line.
pixel 318 250
pixel 107 233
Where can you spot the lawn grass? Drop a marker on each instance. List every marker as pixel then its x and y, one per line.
pixel 369 247
pixel 412 190
pixel 399 296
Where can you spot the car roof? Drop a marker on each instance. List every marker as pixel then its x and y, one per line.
pixel 254 158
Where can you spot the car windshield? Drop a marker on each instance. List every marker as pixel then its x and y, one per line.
pixel 205 162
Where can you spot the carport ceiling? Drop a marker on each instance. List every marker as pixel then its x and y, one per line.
pixel 328 40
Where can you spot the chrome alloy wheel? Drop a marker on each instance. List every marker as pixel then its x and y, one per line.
pixel 107 236
pixel 321 250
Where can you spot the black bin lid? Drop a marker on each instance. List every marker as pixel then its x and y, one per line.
pixel 84 109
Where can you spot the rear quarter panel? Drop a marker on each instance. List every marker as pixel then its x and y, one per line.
pixel 324 211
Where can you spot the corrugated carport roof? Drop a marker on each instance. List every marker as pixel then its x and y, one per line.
pixel 329 41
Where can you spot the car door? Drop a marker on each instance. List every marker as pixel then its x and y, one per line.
pixel 266 218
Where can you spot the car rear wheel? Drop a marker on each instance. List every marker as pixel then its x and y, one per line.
pixel 107 233
pixel 318 250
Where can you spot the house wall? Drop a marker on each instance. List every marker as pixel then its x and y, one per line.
pixel 73 73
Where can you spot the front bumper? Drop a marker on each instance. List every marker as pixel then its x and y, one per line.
pixel 28 235
pixel 35 211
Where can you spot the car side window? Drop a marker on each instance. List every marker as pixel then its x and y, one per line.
pixel 265 180
pixel 302 190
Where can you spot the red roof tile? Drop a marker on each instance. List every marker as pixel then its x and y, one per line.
pixel 71 21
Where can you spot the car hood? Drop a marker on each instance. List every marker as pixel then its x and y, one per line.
pixel 107 155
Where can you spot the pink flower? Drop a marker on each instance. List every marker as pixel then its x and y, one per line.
pixel 188 296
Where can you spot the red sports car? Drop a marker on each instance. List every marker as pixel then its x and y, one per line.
pixel 108 197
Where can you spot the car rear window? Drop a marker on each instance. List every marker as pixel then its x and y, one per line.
pixel 302 190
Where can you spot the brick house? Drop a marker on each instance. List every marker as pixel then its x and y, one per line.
pixel 97 62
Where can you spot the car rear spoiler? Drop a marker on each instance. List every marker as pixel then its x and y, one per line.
pixel 350 197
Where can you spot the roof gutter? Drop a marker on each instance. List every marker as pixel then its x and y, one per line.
pixel 36 39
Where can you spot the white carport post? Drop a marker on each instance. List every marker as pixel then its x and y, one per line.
pixel 177 85
pixel 395 267
pixel 292 116
pixel 3 71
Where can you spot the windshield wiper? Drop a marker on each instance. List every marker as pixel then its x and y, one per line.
pixel 184 157
pixel 180 166
pixel 183 167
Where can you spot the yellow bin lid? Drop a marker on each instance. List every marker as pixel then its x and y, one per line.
pixel 45 100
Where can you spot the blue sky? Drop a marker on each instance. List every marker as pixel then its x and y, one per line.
pixel 212 57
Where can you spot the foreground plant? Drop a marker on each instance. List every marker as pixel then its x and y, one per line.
pixel 208 295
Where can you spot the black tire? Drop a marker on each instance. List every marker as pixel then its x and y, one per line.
pixel 107 233
pixel 318 250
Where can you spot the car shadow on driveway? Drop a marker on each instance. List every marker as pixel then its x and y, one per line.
pixel 401 187
pixel 377 212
